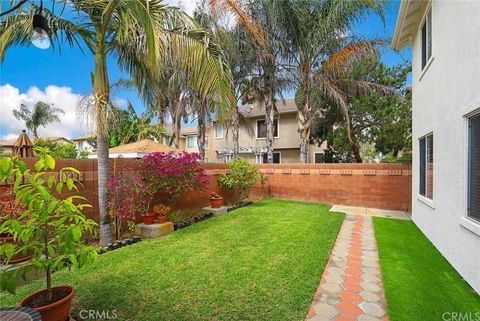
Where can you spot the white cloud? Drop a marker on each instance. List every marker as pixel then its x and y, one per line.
pixel 59 97
pixel 186 5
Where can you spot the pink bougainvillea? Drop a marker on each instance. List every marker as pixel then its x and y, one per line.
pixel 175 173
pixel 129 195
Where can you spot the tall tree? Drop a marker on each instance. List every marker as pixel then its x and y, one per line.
pixel 42 114
pixel 317 46
pixel 138 33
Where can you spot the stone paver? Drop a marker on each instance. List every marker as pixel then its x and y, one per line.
pixel 351 287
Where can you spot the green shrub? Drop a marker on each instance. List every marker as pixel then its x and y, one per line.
pixel 57 150
pixel 240 178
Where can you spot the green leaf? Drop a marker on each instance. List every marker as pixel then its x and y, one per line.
pixel 70 184
pixel 6 168
pixel 50 161
pixel 51 181
pixel 39 165
pixel 59 187
pixel 76 233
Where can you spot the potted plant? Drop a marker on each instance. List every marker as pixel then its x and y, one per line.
pixel 50 227
pixel 162 212
pixel 216 200
pixel 240 178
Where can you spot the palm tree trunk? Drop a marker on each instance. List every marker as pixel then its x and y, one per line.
pixel 235 132
pixel 35 134
pixel 304 117
pixel 201 131
pixel 177 124
pixel 102 99
pixel 269 125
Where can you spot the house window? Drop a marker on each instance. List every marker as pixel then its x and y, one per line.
pixel 426 166
pixel 276 158
pixel 473 210
pixel 192 142
pixel 427 38
pixel 319 158
pixel 218 131
pixel 262 129
pixel 227 158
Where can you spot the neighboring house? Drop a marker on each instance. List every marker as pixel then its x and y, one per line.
pixel 446 126
pixel 6 146
pixel 219 145
pixel 286 142
pixel 137 149
pixel 189 141
pixel 82 143
pixel 58 140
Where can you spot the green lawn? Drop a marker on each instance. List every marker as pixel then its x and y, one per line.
pixel 260 262
pixel 419 282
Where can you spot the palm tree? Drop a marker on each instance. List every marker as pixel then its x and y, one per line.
pixel 138 33
pixel 318 49
pixel 41 115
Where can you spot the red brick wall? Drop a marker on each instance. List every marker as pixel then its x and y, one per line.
pixel 386 186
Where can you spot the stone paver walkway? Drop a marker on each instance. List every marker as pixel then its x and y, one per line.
pixel 351 287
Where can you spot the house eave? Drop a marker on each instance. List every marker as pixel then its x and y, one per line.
pixel 409 15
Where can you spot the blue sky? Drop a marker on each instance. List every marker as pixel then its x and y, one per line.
pixel 26 67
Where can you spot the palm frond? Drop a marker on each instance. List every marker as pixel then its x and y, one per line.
pixel 338 62
pixel 16 30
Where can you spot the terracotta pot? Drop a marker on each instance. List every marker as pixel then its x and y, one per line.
pixel 17 258
pixel 162 219
pixel 148 218
pixel 56 311
pixel 216 202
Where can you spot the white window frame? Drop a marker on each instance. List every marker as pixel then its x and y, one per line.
pixel 424 198
pixel 215 130
pixel 195 140
pixel 426 20
pixel 256 129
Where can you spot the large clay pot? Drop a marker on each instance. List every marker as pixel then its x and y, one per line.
pixel 17 258
pixel 56 311
pixel 148 218
pixel 216 202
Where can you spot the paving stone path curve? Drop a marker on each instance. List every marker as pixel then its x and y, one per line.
pixel 351 286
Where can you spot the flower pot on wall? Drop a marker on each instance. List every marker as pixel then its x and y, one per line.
pixel 56 311
pixel 216 202
pixel 162 219
pixel 148 218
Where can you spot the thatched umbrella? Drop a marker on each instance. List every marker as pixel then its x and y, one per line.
pixel 23 146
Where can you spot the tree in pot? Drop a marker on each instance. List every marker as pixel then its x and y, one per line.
pixel 240 177
pixel 50 227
